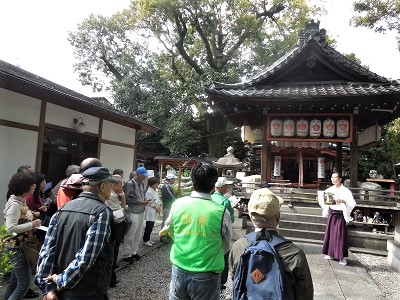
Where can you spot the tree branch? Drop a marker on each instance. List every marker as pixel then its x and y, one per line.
pixel 111 68
pixel 270 13
pixel 210 57
pixel 182 30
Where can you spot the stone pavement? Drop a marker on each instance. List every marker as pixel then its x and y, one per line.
pixel 331 280
pixel 334 281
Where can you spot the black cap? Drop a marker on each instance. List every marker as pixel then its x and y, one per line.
pixel 97 174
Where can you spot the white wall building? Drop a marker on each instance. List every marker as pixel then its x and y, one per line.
pixel 37 128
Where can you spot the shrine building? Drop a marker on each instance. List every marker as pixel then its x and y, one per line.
pixel 313 107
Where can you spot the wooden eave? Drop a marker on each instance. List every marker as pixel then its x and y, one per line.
pixel 339 86
pixel 20 81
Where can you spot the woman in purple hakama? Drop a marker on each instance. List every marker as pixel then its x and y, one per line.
pixel 335 241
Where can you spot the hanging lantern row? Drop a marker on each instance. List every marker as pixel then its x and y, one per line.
pixel 314 128
pixel 314 145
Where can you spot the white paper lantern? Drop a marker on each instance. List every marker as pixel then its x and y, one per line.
pixel 342 128
pixel 315 128
pixel 329 128
pixel 277 166
pixel 247 134
pixel 302 128
pixel 321 167
pixel 288 128
pixel 276 127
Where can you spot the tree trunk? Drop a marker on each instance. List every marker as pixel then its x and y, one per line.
pixel 216 125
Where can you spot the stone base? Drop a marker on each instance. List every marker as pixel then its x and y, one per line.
pixel 375 241
pixel 393 257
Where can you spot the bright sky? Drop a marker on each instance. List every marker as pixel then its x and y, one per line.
pixel 34 35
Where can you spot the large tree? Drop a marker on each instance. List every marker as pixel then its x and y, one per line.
pixel 381 15
pixel 202 41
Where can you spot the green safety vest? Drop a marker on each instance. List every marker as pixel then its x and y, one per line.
pixel 197 236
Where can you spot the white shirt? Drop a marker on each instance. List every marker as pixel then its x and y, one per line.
pixel 150 212
pixel 342 193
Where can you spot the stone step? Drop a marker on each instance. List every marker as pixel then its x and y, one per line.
pixel 309 241
pixel 302 218
pixel 302 225
pixel 307 210
pixel 303 234
pixel 368 251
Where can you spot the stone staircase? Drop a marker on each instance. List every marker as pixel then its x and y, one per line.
pixel 303 222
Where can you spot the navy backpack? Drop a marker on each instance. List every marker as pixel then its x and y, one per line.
pixel 259 274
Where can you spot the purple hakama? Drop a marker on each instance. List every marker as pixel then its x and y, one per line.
pixel 335 240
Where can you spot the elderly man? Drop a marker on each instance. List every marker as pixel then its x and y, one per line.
pixel 117 204
pixel 264 207
pixel 201 232
pixel 221 188
pixel 76 259
pixel 72 183
pixel 135 199
pixel 167 198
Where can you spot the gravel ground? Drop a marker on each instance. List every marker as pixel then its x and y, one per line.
pixel 385 277
pixel 145 279
pixel 149 278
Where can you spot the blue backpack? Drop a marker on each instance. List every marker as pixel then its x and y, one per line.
pixel 259 274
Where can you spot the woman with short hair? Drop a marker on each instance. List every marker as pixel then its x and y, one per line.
pixel 19 220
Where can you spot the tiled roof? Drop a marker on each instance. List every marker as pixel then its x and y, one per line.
pixel 9 72
pixel 312 34
pixel 312 90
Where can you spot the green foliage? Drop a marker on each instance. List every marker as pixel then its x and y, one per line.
pixel 198 42
pixel 5 253
pixel 380 157
pixel 381 15
pixel 393 139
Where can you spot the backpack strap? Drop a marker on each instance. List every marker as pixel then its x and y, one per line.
pixel 273 239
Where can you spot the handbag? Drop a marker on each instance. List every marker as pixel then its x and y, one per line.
pixel 31 247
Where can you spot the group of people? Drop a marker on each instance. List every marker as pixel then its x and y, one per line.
pixel 87 216
pixel 200 226
pixel 78 256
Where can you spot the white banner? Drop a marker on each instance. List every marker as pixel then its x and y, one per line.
pixel 321 167
pixel 277 166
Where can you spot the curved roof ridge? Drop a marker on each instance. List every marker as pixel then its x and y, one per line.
pixel 311 33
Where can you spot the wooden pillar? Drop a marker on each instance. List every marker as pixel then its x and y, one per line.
pixel 264 155
pixel 301 168
pixel 354 153
pixel 39 149
pixel 339 158
pixel 99 139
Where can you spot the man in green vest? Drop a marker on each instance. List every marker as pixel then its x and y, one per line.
pixel 201 231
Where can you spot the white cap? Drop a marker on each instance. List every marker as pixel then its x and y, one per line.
pixel 171 174
pixel 222 181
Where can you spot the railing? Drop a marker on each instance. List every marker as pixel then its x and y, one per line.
pixel 381 198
